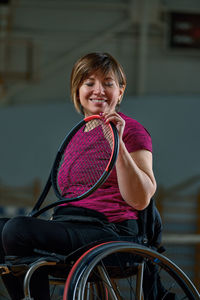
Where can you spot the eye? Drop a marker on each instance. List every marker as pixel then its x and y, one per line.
pixel 89 83
pixel 109 83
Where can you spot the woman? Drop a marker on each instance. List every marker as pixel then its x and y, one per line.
pixel 97 87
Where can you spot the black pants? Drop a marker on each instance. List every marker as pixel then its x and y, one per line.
pixel 20 235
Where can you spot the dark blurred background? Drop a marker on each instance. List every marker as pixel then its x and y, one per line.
pixel 158 44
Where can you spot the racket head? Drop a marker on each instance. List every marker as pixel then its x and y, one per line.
pixel 85 159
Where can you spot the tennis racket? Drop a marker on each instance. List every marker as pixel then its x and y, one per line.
pixel 83 162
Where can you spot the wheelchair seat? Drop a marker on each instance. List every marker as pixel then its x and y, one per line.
pixel 119 269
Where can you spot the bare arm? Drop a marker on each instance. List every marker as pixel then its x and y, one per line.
pixel 135 177
pixel 134 170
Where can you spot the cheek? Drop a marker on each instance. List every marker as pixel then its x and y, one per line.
pixel 84 93
pixel 81 94
pixel 115 96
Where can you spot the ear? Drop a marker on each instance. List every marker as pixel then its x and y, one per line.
pixel 121 93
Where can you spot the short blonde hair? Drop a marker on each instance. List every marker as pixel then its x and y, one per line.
pixel 89 64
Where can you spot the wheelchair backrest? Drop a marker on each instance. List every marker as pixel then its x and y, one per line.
pixel 150 225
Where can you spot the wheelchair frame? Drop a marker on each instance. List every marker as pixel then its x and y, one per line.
pixel 81 268
pixel 80 271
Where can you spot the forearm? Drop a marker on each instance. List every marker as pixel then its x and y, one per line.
pixel 137 184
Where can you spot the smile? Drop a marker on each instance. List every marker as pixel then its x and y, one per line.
pixel 98 100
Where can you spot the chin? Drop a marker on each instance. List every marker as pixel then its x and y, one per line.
pixel 97 111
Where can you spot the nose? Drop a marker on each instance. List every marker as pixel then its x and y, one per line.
pixel 98 88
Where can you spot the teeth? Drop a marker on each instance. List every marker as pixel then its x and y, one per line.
pixel 98 100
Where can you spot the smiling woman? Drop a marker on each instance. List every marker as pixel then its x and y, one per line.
pixel 98 83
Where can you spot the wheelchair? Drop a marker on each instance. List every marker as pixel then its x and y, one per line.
pixel 110 270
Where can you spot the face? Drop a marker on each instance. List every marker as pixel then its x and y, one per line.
pixel 99 93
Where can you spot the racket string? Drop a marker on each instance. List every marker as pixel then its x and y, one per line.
pixel 85 159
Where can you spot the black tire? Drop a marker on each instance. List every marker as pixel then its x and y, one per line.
pixel 122 275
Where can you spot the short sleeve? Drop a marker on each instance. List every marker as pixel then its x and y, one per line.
pixel 135 136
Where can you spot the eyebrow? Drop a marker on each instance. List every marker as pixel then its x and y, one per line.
pixel 107 78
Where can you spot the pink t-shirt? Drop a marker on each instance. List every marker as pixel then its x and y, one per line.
pixel 107 198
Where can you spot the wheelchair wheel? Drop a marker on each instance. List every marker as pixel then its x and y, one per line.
pixel 124 270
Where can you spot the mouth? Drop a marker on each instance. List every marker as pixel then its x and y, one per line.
pixel 98 100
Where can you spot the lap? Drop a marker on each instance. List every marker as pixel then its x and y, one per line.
pixel 70 229
pixel 22 234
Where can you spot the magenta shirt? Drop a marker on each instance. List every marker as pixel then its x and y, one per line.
pixel 107 198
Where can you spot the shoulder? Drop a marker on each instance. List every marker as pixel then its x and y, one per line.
pixel 136 136
pixel 130 122
pixel 133 125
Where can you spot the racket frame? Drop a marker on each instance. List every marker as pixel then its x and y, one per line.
pixel 36 211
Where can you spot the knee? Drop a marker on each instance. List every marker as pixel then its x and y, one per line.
pixel 3 221
pixel 12 233
pixel 2 224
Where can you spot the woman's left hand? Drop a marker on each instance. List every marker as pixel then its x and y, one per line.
pixel 116 119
